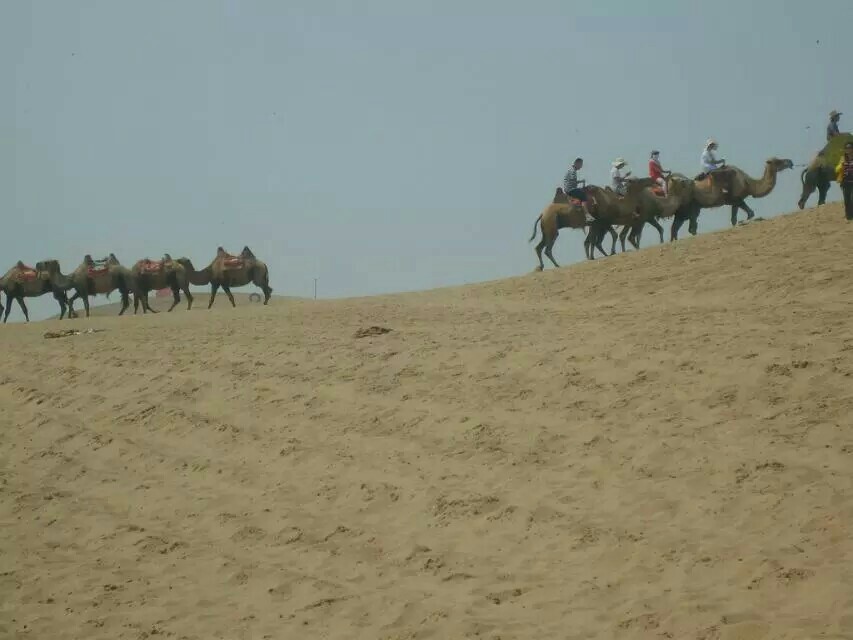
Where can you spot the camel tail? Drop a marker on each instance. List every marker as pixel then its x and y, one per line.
pixel 535 227
pixel 803 176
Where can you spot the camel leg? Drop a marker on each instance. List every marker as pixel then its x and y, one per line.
pixel 822 190
pixel 657 226
pixel 125 300
pixel 677 221
pixel 750 214
pixel 60 298
pixel 176 296
pixel 262 280
pixel 693 225
pixel 189 297
pixel 71 312
pixel 622 235
pixel 538 250
pixel 213 289
pixel 599 239
pixel 9 300
pixel 549 245
pixel 23 306
pixel 636 232
pixel 227 291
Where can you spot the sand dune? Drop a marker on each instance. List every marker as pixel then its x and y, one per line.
pixel 655 445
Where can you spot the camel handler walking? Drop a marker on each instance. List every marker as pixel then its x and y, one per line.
pixel 657 172
pixel 844 176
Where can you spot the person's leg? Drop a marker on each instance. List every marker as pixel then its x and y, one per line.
pixel 662 183
pixel 847 190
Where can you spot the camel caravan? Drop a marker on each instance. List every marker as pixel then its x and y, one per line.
pixel 631 203
pixel 598 211
pixel 106 275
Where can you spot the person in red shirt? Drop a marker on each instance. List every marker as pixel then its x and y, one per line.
pixel 657 172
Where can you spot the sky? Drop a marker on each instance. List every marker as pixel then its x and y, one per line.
pixel 383 146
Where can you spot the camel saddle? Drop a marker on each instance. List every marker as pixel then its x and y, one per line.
pixel 98 268
pixel 152 266
pixel 232 262
pixel 26 272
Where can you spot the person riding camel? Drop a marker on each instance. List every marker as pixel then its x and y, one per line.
pixel 657 172
pixel 832 127
pixel 618 182
pixel 710 164
pixel 572 188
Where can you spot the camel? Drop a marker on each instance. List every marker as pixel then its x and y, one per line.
pixel 166 273
pixel 611 209
pixel 560 214
pixel 820 172
pixel 228 271
pixel 102 276
pixel 708 193
pixel 652 206
pixel 22 281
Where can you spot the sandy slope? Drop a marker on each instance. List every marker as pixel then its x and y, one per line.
pixel 656 445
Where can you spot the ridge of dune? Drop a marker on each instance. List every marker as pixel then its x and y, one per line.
pixel 652 445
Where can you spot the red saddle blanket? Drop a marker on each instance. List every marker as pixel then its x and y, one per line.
pixel 150 266
pixel 27 273
pixel 94 272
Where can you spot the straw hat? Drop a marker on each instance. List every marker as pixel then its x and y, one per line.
pixel 834 113
pixel 709 142
pixel 618 162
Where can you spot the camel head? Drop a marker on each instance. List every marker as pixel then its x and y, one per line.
pixel 779 164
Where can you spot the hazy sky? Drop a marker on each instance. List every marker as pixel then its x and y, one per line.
pixel 384 146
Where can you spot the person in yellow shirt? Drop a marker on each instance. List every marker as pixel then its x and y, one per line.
pixel 844 177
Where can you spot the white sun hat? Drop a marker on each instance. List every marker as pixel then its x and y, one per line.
pixel 618 161
pixel 709 142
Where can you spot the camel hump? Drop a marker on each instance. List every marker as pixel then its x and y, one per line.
pixel 167 257
pixel 247 252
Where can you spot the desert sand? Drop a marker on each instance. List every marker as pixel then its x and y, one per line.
pixel 653 445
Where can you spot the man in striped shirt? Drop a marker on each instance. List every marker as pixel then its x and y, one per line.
pixel 571 185
pixel 570 182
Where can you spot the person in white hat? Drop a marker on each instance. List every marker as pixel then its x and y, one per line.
pixel 617 180
pixel 710 164
pixel 832 127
